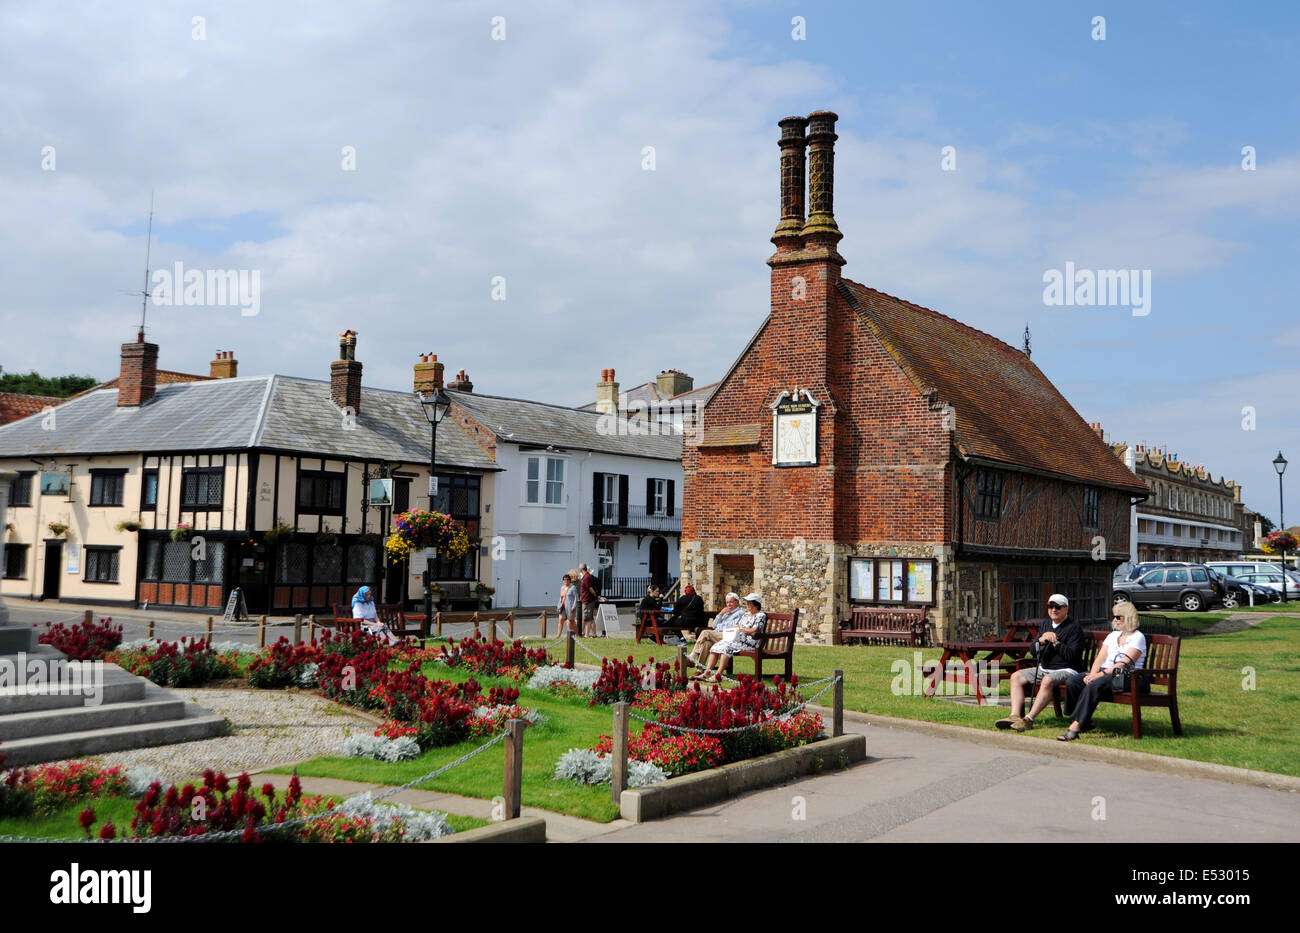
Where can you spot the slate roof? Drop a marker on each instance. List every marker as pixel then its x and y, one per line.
pixel 516 421
pixel 648 392
pixel 15 405
pixel 1006 409
pixel 271 412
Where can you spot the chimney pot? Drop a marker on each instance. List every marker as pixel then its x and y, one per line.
pixel 139 374
pixel 345 374
pixel 428 373
pixel 225 366
pixel 607 393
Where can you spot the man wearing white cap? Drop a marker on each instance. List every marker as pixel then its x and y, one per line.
pixel 1059 649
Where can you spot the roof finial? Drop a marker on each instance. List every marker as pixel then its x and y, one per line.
pixel 1027 349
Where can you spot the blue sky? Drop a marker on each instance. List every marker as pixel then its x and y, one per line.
pixel 522 158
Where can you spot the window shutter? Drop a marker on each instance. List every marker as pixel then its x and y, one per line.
pixel 622 500
pixel 672 496
pixel 597 497
pixel 649 497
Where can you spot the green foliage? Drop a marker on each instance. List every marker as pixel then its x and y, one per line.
pixel 35 384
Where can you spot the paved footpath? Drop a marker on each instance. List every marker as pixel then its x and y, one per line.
pixel 919 787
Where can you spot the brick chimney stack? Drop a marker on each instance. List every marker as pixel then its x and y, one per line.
pixel 789 231
pixel 607 393
pixel 139 376
pixel 345 374
pixel 820 230
pixel 225 366
pixel 428 373
pixel 461 383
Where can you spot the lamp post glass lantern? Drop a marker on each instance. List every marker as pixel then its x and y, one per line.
pixel 435 406
pixel 1279 464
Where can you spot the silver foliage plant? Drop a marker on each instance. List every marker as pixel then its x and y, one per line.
pixel 420 825
pixel 402 748
pixel 139 777
pixel 586 767
pixel 220 647
pixel 544 676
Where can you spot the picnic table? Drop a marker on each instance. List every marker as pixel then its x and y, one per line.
pixel 1012 647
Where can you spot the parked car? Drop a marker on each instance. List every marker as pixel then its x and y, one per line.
pixel 1274 581
pixel 1189 586
pixel 1238 568
pixel 1134 571
pixel 1240 593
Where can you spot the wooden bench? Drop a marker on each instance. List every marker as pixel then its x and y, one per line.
pixel 776 643
pixel 402 625
pixel 1160 670
pixel 655 625
pixel 343 620
pixel 877 625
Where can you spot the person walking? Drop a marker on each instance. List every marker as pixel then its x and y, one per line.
pixel 568 605
pixel 589 596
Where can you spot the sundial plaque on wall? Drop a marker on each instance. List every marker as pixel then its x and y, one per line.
pixel 794 429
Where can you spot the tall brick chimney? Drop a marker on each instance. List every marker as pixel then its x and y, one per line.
pixel 820 230
pixel 225 366
pixel 139 376
pixel 428 373
pixel 461 383
pixel 672 382
pixel 607 393
pixel 789 231
pixel 345 374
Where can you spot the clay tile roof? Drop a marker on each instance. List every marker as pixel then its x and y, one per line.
pixel 14 405
pixel 1006 409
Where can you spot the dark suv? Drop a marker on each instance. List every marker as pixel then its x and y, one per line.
pixel 1190 586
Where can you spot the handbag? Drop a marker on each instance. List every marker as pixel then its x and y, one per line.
pixel 1119 681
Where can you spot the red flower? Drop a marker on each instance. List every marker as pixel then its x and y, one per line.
pixel 108 831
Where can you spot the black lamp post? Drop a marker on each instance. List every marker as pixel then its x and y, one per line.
pixel 1279 464
pixel 435 405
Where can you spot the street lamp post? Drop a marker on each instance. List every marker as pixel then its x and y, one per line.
pixel 435 405
pixel 1279 464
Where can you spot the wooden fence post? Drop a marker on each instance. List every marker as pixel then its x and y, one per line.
pixel 477 633
pixel 209 628
pixel 149 633
pixel 438 622
pixel 311 628
pixel 297 628
pixel 568 650
pixel 681 665
pixel 618 780
pixel 512 625
pixel 543 623
pixel 514 776
pixel 261 632
pixel 87 617
pixel 837 719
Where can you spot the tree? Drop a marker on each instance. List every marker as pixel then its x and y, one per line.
pixel 33 383
pixel 1266 524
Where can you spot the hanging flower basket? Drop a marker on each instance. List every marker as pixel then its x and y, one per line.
pixel 182 532
pixel 127 525
pixel 418 529
pixel 58 529
pixel 327 538
pixel 277 532
pixel 1278 541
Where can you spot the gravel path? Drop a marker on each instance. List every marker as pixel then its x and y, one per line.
pixel 271 728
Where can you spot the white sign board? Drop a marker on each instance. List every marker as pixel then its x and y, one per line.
pixel 72 557
pixel 609 618
pixel 433 487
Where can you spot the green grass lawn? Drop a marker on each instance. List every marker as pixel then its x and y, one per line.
pixel 120 810
pixel 571 723
pixel 1222 722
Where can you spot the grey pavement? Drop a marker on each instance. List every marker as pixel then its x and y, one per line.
pixel 918 787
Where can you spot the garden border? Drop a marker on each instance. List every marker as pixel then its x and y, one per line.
pixel 638 805
pixel 521 829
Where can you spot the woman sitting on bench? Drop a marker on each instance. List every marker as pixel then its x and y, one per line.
pixel 743 637
pixel 363 609
pixel 1125 649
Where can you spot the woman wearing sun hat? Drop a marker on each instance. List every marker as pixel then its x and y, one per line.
pixel 744 637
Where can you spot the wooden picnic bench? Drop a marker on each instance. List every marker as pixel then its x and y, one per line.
pixel 1160 670
pixel 1013 646
pixel 883 625
pixel 655 625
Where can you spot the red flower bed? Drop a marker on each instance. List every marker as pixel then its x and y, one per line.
pixel 675 752
pixel 281 666
pixel 493 657
pixel 45 789
pixel 187 663
pixel 86 641
pixel 622 681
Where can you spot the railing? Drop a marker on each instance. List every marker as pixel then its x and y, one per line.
pixel 630 587
pixel 638 519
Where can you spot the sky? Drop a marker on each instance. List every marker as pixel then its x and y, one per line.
pixel 538 191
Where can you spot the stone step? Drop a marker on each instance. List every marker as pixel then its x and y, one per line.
pixel 158 706
pixel 118 686
pixel 197 724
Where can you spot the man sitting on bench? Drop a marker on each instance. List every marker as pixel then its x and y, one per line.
pixel 727 618
pixel 1059 649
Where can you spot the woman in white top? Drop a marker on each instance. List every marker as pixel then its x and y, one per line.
pixel 568 605
pixel 1125 648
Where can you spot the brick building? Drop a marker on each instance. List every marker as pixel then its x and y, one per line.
pixel 863 450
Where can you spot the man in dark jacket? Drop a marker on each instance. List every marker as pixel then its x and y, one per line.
pixel 1059 651
pixel 689 610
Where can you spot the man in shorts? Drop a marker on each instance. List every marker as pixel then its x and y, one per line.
pixel 1059 650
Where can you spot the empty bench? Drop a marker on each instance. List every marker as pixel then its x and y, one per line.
pixel 884 626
